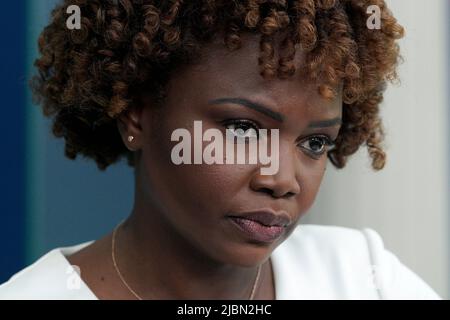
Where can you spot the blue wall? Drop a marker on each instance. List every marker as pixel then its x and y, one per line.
pixel 12 84
pixel 68 202
pixel 47 200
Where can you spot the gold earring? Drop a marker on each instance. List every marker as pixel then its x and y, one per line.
pixel 130 138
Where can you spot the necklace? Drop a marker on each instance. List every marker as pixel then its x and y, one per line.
pixel 113 256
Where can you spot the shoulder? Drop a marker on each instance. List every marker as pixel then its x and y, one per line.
pixel 326 237
pixel 345 263
pixel 50 277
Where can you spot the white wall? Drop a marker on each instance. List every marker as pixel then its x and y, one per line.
pixel 407 203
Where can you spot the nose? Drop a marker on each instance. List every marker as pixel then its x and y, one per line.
pixel 284 183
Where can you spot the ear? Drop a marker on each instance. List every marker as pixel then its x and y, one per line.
pixel 129 125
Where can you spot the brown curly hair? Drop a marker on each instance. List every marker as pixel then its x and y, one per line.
pixel 88 77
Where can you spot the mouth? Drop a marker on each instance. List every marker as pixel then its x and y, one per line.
pixel 262 226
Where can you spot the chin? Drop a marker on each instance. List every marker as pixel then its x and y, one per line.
pixel 243 254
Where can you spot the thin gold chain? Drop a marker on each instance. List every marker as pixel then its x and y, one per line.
pixel 113 256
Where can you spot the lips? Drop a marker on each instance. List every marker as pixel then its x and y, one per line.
pixel 262 226
pixel 266 217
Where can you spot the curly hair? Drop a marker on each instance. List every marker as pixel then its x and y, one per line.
pixel 88 77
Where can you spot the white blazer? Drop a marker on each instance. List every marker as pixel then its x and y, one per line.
pixel 315 262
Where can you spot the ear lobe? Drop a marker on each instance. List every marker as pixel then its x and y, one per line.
pixel 128 124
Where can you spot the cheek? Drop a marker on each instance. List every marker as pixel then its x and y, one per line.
pixel 311 178
pixel 208 188
pixel 195 189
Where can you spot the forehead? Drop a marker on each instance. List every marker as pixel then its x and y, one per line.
pixel 223 73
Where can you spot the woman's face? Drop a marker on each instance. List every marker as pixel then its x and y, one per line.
pixel 196 200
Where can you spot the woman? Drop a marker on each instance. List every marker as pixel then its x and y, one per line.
pixel 310 70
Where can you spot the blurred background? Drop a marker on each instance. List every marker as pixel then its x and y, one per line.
pixel 48 201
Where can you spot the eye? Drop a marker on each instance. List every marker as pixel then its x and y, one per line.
pixel 242 128
pixel 317 145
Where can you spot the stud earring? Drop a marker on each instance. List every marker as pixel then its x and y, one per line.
pixel 130 138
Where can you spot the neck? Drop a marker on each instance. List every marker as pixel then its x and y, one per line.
pixel 157 262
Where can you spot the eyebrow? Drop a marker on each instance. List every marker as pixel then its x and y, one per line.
pixel 326 123
pixel 252 105
pixel 272 114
